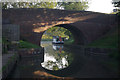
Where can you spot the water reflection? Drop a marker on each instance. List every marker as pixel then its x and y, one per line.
pixel 67 61
pixel 58 47
pixel 56 58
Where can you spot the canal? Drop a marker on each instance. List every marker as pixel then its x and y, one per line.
pixel 63 61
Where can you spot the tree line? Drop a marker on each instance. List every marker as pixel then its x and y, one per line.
pixel 81 5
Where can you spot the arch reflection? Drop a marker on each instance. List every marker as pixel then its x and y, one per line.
pixel 56 58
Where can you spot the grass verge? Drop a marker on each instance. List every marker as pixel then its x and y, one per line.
pixel 25 44
pixel 109 41
pixel 69 41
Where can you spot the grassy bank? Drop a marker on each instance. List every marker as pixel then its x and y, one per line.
pixel 108 41
pixel 46 40
pixel 69 41
pixel 25 44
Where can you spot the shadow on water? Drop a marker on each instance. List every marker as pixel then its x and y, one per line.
pixel 85 63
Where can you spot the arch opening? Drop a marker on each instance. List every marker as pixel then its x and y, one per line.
pixel 57 31
pixel 75 36
pixel 56 57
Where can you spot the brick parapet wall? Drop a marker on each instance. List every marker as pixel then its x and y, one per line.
pixel 33 22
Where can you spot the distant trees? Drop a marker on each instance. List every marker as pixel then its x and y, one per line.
pixel 56 31
pixel 81 5
pixel 6 5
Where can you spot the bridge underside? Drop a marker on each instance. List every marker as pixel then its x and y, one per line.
pixel 85 26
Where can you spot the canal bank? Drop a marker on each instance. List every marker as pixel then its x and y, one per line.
pixel 9 60
pixel 12 58
pixel 109 56
pixel 64 62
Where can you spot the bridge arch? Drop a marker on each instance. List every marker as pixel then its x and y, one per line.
pixel 86 26
pixel 77 34
pixel 79 37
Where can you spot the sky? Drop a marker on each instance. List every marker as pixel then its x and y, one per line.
pixel 103 6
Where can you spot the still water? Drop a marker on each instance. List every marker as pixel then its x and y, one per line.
pixel 65 61
pixel 56 57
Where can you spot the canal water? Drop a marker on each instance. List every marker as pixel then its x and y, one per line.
pixel 66 61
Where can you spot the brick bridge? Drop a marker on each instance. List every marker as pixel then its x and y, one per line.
pixel 86 26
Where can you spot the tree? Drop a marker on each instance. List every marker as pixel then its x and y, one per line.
pixel 81 5
pixel 116 3
pixel 58 31
pixel 6 5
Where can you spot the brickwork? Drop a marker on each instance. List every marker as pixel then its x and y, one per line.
pixel 86 26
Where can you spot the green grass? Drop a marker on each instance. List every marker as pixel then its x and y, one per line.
pixel 25 44
pixel 109 41
pixel 46 40
pixel 69 41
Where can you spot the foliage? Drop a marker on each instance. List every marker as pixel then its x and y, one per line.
pixel 70 40
pixel 24 44
pixel 6 5
pixel 5 45
pixel 81 5
pixel 4 40
pixel 116 4
pixel 56 31
pixel 58 55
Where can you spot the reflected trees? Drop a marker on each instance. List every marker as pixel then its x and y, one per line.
pixel 56 59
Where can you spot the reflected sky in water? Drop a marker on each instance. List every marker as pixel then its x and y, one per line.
pixel 56 57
